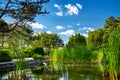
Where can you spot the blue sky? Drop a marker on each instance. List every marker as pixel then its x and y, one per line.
pixel 68 17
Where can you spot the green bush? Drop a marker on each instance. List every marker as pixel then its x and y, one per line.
pixel 28 52
pixel 38 50
pixel 5 55
pixel 37 56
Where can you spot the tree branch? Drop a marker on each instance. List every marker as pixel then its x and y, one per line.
pixel 4 11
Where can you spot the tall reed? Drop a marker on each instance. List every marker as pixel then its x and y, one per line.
pixel 73 54
pixel 112 52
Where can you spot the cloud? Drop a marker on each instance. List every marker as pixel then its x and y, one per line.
pixel 87 29
pixel 60 12
pixel 36 25
pixel 57 6
pixel 59 27
pixel 68 32
pixel 79 6
pixel 72 9
pixel 86 35
pixel 49 32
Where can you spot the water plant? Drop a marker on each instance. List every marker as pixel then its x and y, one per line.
pixel 113 54
pixel 73 54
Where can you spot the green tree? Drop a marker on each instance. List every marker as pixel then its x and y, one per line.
pixel 21 10
pixel 95 38
pixel 38 50
pixel 109 25
pixel 48 41
pixel 77 39
pixel 51 41
pixel 3 26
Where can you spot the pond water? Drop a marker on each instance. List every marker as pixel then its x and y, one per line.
pixel 55 71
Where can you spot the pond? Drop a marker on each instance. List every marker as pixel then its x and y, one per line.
pixel 55 71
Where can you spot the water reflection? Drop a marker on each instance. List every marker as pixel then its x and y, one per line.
pixel 56 71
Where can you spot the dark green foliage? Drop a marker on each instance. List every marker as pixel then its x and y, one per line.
pixel 77 39
pixel 3 25
pixel 110 24
pixel 38 50
pixel 95 38
pixel 5 56
pixel 38 70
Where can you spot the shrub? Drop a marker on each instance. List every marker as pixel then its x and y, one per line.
pixel 38 50
pixel 5 55
pixel 37 56
pixel 28 52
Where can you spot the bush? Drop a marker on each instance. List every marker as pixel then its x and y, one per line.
pixel 38 50
pixel 28 52
pixel 5 56
pixel 37 56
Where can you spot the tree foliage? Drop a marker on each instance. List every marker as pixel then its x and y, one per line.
pixel 95 38
pixel 77 39
pixel 110 24
pixel 48 41
pixel 5 55
pixel 21 10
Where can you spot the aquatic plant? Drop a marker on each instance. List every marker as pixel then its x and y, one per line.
pixel 73 54
pixel 113 53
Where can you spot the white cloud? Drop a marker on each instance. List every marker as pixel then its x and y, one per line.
pixel 79 6
pixel 87 29
pixel 36 25
pixel 49 32
pixel 68 32
pixel 86 35
pixel 57 6
pixel 59 27
pixel 60 12
pixel 72 9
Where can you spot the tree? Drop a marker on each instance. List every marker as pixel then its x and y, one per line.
pixel 109 25
pixel 51 41
pixel 77 39
pixel 10 38
pixel 95 38
pixel 47 41
pixel 3 26
pixel 55 41
pixel 21 10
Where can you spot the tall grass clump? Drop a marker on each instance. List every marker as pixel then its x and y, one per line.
pixel 73 54
pixel 113 54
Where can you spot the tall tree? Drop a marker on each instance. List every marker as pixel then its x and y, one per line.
pixel 47 41
pixel 95 38
pixel 77 39
pixel 21 10
pixel 109 25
